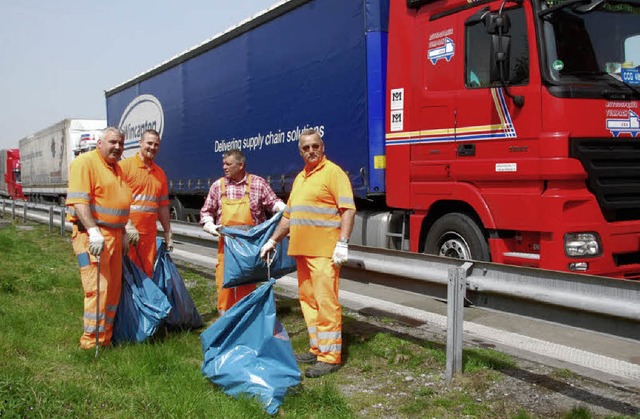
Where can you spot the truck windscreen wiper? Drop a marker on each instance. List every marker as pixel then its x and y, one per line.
pixel 582 6
pixel 609 79
pixel 562 5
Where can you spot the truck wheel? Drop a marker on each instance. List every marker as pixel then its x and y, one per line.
pixel 457 236
pixel 176 210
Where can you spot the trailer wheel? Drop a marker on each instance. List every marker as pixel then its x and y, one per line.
pixel 176 210
pixel 457 236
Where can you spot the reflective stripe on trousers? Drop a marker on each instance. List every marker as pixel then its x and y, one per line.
pixel 110 284
pixel 318 284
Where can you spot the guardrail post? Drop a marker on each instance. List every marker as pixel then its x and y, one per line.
pixel 62 220
pixel 455 317
pixel 13 210
pixel 50 219
pixel 24 213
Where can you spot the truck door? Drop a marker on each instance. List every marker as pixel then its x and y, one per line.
pixel 432 147
pixel 495 136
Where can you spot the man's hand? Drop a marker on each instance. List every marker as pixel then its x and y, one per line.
pixel 269 246
pixel 213 229
pixel 96 241
pixel 132 233
pixel 279 206
pixel 168 241
pixel 340 253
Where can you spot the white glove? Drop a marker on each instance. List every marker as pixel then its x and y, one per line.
pixel 213 229
pixel 269 246
pixel 279 206
pixel 132 233
pixel 340 253
pixel 96 241
pixel 168 241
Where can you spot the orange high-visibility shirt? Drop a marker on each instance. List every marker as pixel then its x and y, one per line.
pixel 95 183
pixel 149 192
pixel 313 209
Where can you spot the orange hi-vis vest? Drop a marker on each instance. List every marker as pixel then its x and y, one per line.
pixel 149 192
pixel 314 209
pixel 100 186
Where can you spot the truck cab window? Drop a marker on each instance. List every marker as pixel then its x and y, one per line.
pixel 478 46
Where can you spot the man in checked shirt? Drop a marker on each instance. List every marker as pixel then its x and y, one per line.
pixel 237 199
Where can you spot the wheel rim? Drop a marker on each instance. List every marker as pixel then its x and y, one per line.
pixel 454 246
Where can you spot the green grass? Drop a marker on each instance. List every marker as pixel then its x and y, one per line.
pixel 44 373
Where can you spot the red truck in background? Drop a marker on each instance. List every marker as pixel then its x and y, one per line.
pixel 11 184
pixel 512 131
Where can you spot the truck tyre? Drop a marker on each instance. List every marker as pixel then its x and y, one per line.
pixel 176 210
pixel 457 236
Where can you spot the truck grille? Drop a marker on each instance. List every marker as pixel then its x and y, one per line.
pixel 613 169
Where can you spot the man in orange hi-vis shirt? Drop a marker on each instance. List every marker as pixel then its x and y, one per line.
pixel 98 203
pixel 319 216
pixel 150 202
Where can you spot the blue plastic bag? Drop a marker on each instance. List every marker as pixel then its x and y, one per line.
pixel 247 351
pixel 242 262
pixel 142 306
pixel 184 314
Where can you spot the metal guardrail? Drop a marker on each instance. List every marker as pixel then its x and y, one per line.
pixel 601 304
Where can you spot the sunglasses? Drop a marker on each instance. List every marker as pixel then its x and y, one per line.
pixel 308 147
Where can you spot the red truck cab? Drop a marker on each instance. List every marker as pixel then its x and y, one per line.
pixel 12 184
pixel 512 131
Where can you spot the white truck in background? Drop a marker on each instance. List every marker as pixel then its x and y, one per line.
pixel 45 157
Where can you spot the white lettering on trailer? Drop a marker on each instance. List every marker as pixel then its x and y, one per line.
pixel 144 112
pixel 259 140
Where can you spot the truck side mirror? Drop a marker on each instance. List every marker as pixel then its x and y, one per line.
pixel 500 58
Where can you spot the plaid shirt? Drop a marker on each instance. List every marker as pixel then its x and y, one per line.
pixel 261 198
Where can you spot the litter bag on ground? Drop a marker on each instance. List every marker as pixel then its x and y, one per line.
pixel 242 262
pixel 247 351
pixel 184 314
pixel 143 306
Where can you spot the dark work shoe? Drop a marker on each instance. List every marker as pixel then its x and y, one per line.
pixel 306 358
pixel 320 368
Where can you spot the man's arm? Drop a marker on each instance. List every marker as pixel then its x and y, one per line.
pixel 282 229
pixel 346 223
pixel 83 212
pixel 164 217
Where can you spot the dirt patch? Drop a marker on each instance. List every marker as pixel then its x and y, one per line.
pixel 525 387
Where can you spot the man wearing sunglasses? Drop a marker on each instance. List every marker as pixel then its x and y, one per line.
pixel 319 216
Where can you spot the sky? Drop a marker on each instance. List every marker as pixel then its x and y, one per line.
pixel 58 57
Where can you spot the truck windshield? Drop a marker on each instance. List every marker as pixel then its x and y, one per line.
pixel 592 41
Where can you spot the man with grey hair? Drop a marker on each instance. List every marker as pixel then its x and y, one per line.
pixel 319 217
pixel 98 201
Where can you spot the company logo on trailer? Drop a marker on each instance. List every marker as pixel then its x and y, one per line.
pixel 144 112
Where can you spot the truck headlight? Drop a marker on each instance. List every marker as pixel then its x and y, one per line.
pixel 582 244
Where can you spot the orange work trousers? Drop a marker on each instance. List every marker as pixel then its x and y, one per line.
pixel 144 254
pixel 109 273
pixel 318 284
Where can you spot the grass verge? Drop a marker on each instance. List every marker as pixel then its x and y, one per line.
pixel 44 373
